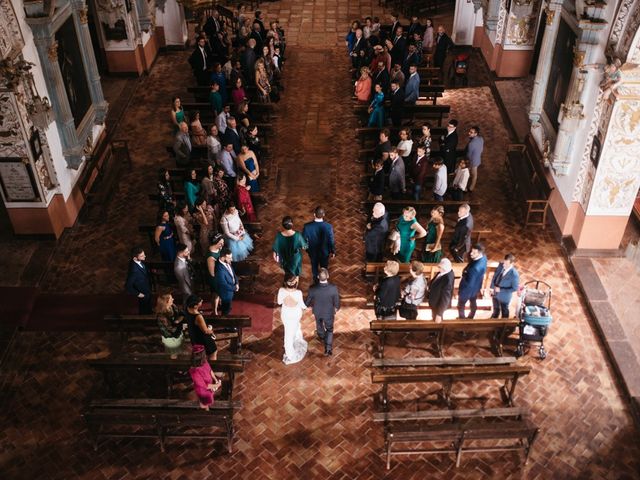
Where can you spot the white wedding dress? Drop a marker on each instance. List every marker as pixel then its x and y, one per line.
pixel 295 346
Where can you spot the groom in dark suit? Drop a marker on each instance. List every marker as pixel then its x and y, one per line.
pixel 325 302
pixel 138 283
pixel 319 236
pixel 226 281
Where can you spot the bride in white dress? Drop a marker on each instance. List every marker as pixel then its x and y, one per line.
pixel 295 346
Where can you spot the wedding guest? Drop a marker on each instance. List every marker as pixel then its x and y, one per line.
pixel 425 138
pixel 504 283
pixel 237 239
pixel 253 141
pixel 171 322
pixel 191 187
pixel 427 38
pixel 387 292
pixel 215 99
pixel 262 82
pixel 184 225
pixel 441 290
pixel 221 190
pixel 182 146
pixel 405 145
pixel 211 259
pixel 199 332
pixel 203 214
pixel 226 281
pixel 213 145
pixel 205 383
pixel 461 241
pixel 221 119
pixel 198 134
pixel 243 199
pixel 459 185
pixel 413 292
pixel 376 108
pixel 247 162
pixel 440 180
pixel 471 281
pixel 409 230
pixel 376 233
pixel 183 270
pixel 419 171
pixel 165 192
pixel 377 181
pixel 238 94
pixel 363 86
pixel 177 114
pixel 138 282
pixel 164 237
pixel 287 248
pixel 206 186
pixel 433 240
pixel 242 115
pixel 217 76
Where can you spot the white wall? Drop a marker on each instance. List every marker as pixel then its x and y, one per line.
pixel 464 22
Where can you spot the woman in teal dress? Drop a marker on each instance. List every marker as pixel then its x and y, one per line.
pixel 212 256
pixel 191 188
pixel 376 108
pixel 177 114
pixel 164 237
pixel 435 228
pixel 409 230
pixel 287 248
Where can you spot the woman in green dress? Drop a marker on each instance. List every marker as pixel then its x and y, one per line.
pixel 435 228
pixel 213 254
pixel 287 248
pixel 177 114
pixel 409 230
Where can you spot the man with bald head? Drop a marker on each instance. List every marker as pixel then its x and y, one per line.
pixel 376 233
pixel 182 146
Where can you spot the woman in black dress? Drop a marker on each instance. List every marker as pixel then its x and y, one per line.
pixel 165 192
pixel 199 332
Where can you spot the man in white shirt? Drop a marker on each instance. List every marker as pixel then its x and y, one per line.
pixel 227 160
pixel 221 119
pixel 213 145
pixel 440 180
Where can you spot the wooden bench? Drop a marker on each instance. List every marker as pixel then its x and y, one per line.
pixel 466 432
pixel 365 134
pixel 423 207
pixel 160 418
pixel 412 112
pixel 375 270
pixel 529 181
pixel 259 112
pixel 128 324
pixel 161 367
pixel 201 93
pixel 161 273
pixel 99 180
pixel 448 376
pixel 499 327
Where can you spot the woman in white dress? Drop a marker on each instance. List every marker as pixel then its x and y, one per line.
pixel 295 346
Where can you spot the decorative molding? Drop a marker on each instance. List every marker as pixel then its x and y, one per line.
pixel 581 190
pixel 502 20
pixel 550 15
pixel 52 51
pixel 11 40
pixel 83 15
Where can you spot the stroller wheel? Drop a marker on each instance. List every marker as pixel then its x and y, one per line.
pixel 542 353
pixel 519 351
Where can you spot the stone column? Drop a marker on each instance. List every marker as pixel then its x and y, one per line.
pixel 48 49
pixel 553 11
pixel 86 49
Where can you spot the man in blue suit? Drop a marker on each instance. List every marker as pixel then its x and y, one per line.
pixel 505 281
pixel 138 283
pixel 226 281
pixel 412 87
pixel 319 236
pixel 471 282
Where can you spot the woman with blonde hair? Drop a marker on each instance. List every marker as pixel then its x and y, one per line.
pixel 171 323
pixel 262 82
pixel 363 85
pixel 387 292
pixel 435 228
pixel 409 230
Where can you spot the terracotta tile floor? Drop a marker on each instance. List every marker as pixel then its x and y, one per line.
pixel 312 419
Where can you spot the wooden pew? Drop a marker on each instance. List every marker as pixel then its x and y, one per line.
pixel 483 430
pixel 161 273
pixel 448 376
pixel 423 207
pixel 161 367
pixel 372 134
pixel 412 112
pixel 499 327
pixel 201 93
pixel 260 112
pixel 128 324
pixel 529 181
pixel 374 270
pixel 161 419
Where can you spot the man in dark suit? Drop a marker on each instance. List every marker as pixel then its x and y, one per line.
pixel 212 25
pixel 504 283
pixel 397 104
pixel 231 135
pixel 248 62
pixel 138 283
pixel 377 181
pixel 399 50
pixel 414 27
pixel 381 76
pixel 324 299
pixel 419 171
pixel 376 233
pixel 411 58
pixel 471 281
pixel 360 52
pixel 443 44
pixel 441 290
pixel 200 61
pixel 319 236
pixel 256 35
pixel 449 145
pixel 226 281
pixel 461 241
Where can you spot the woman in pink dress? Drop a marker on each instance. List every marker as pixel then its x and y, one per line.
pixel 205 382
pixel 238 94
pixel 363 85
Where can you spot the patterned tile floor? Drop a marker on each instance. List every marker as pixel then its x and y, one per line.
pixel 312 419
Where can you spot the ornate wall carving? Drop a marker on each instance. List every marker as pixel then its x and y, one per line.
pixel 11 41
pixel 502 19
pixel 522 23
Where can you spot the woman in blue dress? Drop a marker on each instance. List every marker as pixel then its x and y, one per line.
pixel 235 236
pixel 248 163
pixel 376 108
pixel 164 237
pixel 191 188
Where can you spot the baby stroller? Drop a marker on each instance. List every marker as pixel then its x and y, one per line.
pixel 535 317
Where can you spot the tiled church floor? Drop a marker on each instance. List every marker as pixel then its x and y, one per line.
pixel 312 419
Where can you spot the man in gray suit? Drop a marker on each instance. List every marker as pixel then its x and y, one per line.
pixel 183 270
pixel 474 154
pixel 182 146
pixel 325 302
pixel 396 175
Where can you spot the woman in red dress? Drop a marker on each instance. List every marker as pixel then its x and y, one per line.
pixel 243 199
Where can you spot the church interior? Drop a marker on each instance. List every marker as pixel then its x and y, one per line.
pixel 88 124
